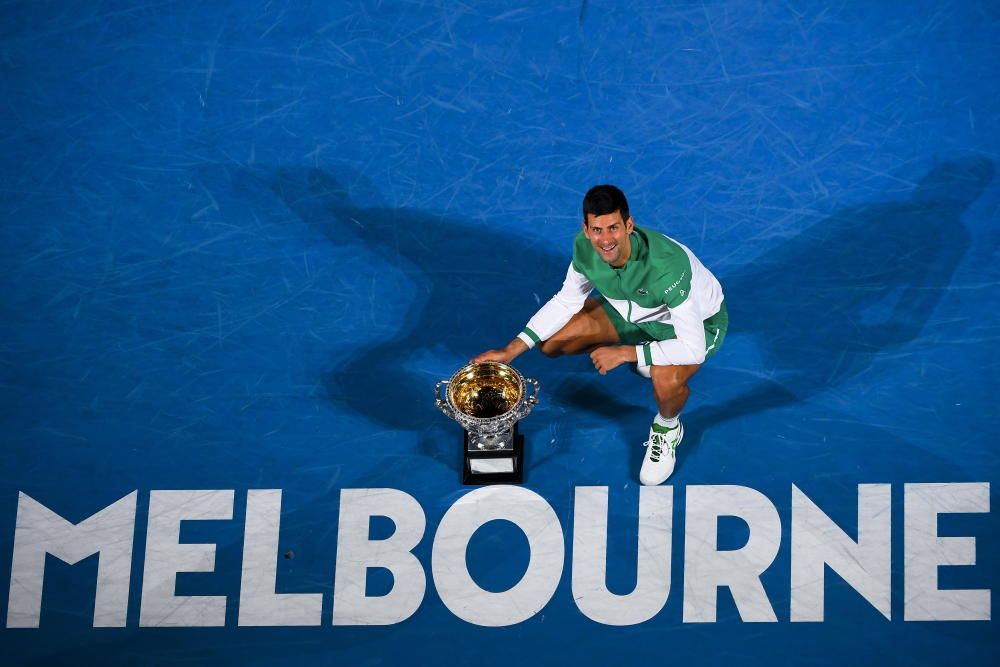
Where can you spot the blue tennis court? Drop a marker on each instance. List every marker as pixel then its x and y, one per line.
pixel 242 241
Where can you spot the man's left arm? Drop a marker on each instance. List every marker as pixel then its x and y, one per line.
pixel 686 349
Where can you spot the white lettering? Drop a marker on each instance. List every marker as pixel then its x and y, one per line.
pixel 166 556
pixel 818 542
pixel 590 547
pixel 706 568
pixel 39 531
pixel 925 551
pixel 356 553
pixel 460 593
pixel 259 604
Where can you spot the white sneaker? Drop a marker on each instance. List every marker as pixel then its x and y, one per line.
pixel 661 453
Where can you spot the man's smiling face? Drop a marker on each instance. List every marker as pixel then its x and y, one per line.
pixel 609 235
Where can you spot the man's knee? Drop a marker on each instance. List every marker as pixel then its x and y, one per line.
pixel 559 347
pixel 670 380
pixel 552 348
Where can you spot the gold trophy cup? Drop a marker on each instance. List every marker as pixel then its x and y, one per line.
pixel 488 399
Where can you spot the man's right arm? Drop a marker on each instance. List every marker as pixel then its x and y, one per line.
pixel 549 319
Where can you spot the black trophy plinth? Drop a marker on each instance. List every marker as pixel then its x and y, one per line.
pixel 494 466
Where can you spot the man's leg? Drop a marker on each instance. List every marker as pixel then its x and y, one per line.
pixel 587 330
pixel 671 393
pixel 670 387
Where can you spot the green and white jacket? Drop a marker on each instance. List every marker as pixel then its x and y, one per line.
pixel 663 289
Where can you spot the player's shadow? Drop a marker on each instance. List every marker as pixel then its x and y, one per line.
pixel 470 281
pixel 856 285
pixel 820 306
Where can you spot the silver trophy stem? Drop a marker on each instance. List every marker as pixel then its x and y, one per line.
pixel 502 440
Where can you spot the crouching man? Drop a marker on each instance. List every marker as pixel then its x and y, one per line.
pixel 658 307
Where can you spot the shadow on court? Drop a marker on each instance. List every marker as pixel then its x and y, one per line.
pixel 468 279
pixel 821 306
pixel 858 284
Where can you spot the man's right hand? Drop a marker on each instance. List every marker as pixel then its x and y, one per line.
pixel 491 355
pixel 505 354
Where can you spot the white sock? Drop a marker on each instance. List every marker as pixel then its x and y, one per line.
pixel 670 422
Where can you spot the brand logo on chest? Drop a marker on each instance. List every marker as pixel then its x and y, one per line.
pixel 642 291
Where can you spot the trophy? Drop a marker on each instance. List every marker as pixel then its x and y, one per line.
pixel 488 399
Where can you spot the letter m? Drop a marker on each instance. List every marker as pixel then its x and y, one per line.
pixel 41 531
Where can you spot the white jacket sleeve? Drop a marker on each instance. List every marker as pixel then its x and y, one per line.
pixel 554 315
pixel 687 348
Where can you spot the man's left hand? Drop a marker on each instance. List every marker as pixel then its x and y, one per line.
pixel 611 357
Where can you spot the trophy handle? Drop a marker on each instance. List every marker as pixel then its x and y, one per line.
pixel 530 401
pixel 442 403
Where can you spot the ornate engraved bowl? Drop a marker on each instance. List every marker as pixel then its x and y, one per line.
pixel 487 398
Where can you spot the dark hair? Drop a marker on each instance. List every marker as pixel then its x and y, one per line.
pixel 604 199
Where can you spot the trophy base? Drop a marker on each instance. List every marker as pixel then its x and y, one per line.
pixel 494 466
